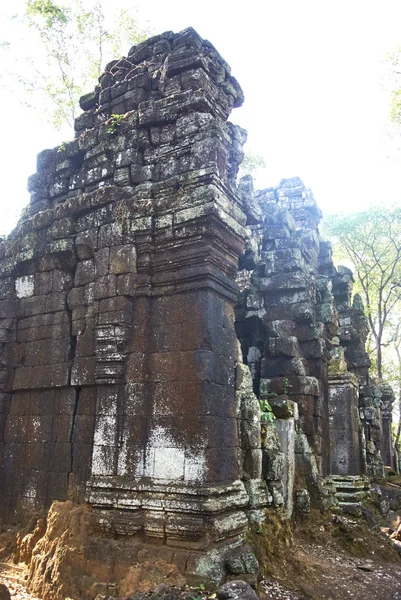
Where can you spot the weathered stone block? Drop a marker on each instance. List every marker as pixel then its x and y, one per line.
pixel 83 371
pixel 123 259
pixel 128 157
pixel 86 244
pixel 85 272
pixel 283 346
pixel 76 297
pixel 55 302
pixel 111 235
pixel 85 343
pixel 105 287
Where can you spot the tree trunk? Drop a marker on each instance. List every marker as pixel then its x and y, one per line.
pixel 379 365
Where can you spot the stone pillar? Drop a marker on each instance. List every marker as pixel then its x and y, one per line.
pixel 387 401
pixel 285 319
pixel 345 441
pixel 286 432
pixel 121 346
pixel 353 331
pixel 166 431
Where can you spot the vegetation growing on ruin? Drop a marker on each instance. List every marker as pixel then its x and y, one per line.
pixel 114 124
pixel 271 541
pixel 267 415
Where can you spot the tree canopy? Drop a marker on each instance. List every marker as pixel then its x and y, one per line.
pixel 70 42
pixel 251 164
pixel 393 84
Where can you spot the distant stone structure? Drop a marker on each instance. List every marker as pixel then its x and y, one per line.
pixel 303 336
pixel 131 368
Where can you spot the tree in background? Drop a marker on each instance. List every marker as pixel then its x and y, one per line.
pixel 393 84
pixel 251 164
pixel 69 44
pixel 371 242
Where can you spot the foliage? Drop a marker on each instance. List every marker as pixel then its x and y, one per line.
pixel 393 84
pixel 371 242
pixel 266 412
pixel 50 12
pixel 70 42
pixel 114 123
pixel 199 589
pixel 252 162
pixel 287 385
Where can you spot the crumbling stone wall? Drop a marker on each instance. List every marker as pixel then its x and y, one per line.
pixel 303 336
pixel 122 379
pixel 374 400
pixel 284 316
pixel 118 290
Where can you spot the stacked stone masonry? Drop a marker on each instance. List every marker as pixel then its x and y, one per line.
pixel 303 336
pixel 123 382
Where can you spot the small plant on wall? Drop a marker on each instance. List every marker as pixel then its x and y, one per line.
pixel 266 412
pixel 114 123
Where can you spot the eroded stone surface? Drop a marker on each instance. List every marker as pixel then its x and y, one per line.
pixel 303 337
pixel 122 379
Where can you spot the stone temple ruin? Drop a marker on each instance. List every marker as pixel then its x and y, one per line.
pixel 149 303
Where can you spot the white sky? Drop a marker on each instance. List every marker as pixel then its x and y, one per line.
pixel 310 71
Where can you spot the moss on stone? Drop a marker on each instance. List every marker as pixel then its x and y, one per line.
pixel 271 541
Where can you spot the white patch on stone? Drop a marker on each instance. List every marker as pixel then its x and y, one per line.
pixel 139 470
pixel 167 459
pixel 103 460
pixel 149 461
pixel 130 460
pixel 30 491
pixel 35 428
pixel 105 430
pixel 160 437
pixel 122 460
pixel 195 466
pixel 25 286
pixel 133 397
pixel 169 463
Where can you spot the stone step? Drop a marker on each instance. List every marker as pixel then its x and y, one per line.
pixel 356 496
pixel 351 485
pixel 351 508
pixel 356 479
pixel 349 478
pixel 350 492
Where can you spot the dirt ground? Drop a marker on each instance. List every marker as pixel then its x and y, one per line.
pixel 337 560
pixel 13 577
pixel 333 575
